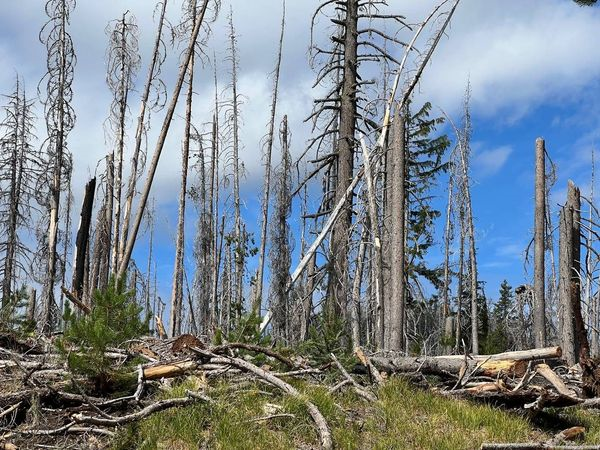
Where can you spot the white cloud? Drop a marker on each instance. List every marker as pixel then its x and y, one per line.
pixel 517 55
pixel 489 162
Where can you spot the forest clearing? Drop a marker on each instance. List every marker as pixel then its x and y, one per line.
pixel 298 254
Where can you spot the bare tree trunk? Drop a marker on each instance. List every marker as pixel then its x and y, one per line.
pixel 582 349
pixel 256 304
pixel 177 288
pixel 161 142
pixel 131 190
pixel 356 289
pixel 459 290
pixel 238 274
pixel 591 297
pixel 121 97
pixel 397 182
pixel 31 304
pixel 338 278
pixel 81 243
pixel 572 330
pixel 448 234
pixel 539 277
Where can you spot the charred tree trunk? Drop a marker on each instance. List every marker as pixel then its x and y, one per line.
pixel 81 243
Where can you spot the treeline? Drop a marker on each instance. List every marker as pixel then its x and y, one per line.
pixel 374 161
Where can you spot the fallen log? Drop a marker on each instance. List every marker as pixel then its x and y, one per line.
pixel 510 363
pixel 170 370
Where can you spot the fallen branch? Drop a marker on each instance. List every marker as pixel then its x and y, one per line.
pixel 321 423
pixel 142 414
pixel 357 387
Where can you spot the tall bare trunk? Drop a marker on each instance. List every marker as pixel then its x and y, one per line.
pixel 397 185
pixel 177 288
pixel 256 304
pixel 338 276
pixel 161 142
pixel 539 277
pixel 139 132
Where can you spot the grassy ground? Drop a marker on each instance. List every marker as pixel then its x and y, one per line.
pixel 403 418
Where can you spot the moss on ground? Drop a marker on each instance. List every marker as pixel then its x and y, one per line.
pixel 403 418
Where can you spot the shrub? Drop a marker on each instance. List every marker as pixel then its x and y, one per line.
pixel 114 319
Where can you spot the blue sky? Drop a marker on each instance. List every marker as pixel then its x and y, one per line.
pixel 534 67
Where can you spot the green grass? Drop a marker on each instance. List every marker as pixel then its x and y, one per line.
pixel 403 418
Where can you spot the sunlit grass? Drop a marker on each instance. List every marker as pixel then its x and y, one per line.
pixel 403 418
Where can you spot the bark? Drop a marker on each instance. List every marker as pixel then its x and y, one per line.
pixel 514 363
pixel 582 349
pixel 572 329
pixel 81 243
pixel 397 191
pixel 539 279
pixel 161 143
pixel 338 266
pixel 177 288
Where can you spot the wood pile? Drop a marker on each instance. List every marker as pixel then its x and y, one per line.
pixel 42 401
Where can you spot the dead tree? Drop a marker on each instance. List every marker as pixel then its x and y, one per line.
pixel 256 304
pixel 571 325
pixel 539 316
pixel 124 263
pixel 123 62
pixel 394 331
pixel 464 139
pixel 155 86
pixel 19 169
pixel 234 122
pixel 177 288
pixel 60 119
pixel 82 240
pixel 281 242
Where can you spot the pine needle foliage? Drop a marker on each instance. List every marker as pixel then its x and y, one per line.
pixel 114 319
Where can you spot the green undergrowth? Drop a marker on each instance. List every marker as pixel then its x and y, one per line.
pixel 403 418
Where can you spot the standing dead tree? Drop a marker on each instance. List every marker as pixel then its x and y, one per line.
pixel 19 168
pixel 154 86
pixel 124 263
pixel 123 62
pixel 190 12
pixel 60 119
pixel 256 304
pixel 539 278
pixel 281 243
pixel 572 330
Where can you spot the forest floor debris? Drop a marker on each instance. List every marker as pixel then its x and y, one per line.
pixel 371 401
